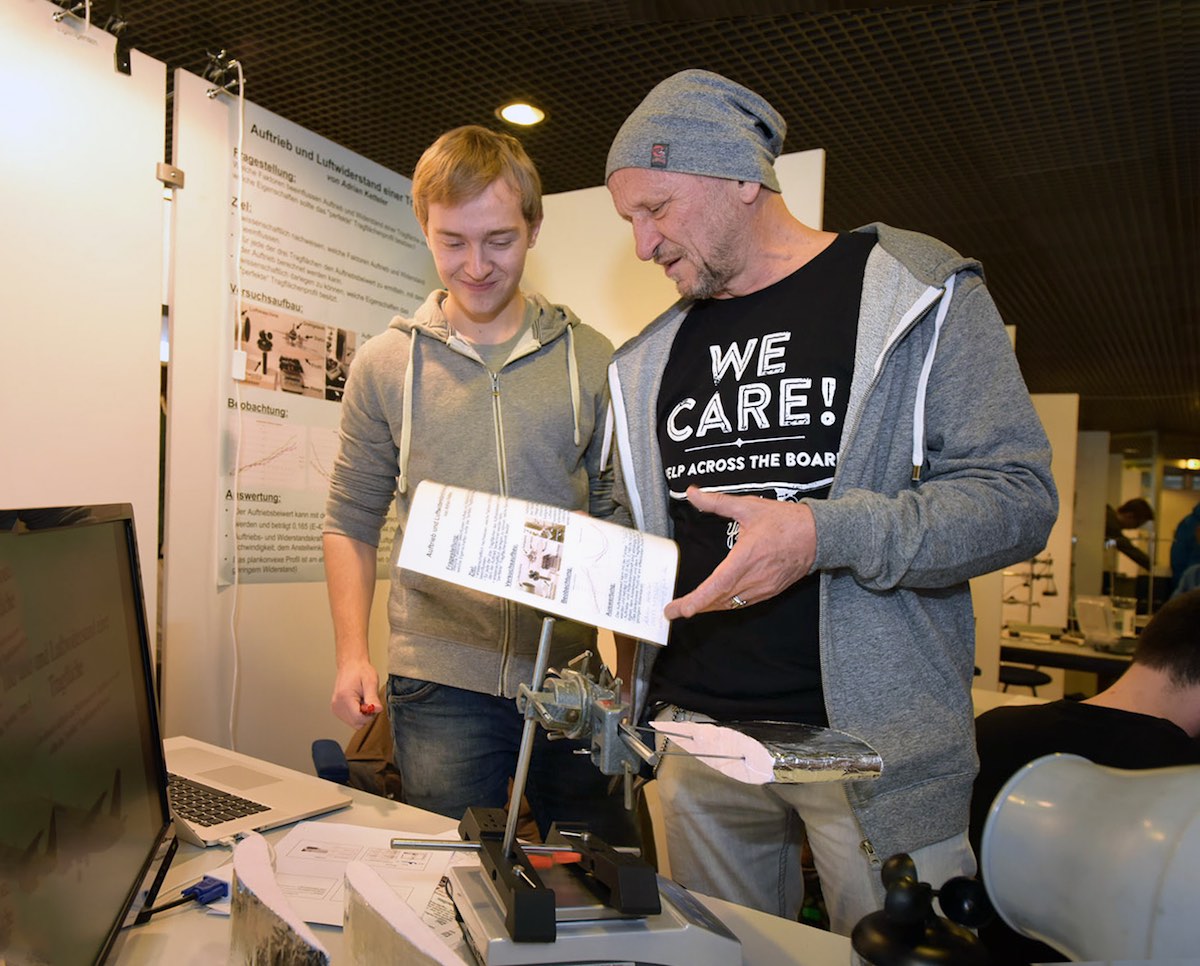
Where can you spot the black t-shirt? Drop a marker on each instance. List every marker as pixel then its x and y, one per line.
pixel 1009 738
pixel 752 402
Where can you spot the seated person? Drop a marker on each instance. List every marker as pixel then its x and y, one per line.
pixel 1149 718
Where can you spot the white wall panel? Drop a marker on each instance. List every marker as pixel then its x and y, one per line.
pixel 81 256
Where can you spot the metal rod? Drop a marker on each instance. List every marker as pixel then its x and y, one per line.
pixel 676 734
pixel 455 845
pixel 670 734
pixel 230 89
pixel 635 744
pixel 521 776
pixel 700 754
pixel 519 870
pixel 71 12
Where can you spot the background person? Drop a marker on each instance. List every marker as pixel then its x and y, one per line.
pixel 835 430
pixel 1185 552
pixel 495 390
pixel 1128 516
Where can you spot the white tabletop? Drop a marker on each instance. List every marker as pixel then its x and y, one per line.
pixel 188 936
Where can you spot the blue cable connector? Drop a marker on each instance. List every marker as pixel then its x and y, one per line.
pixel 207 890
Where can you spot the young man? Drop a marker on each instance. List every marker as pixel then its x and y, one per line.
pixel 487 388
pixel 1149 718
pixel 834 429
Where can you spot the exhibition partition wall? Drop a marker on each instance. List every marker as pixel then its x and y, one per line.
pixel 82 253
pixel 282 266
pixel 1059 413
pixel 1009 596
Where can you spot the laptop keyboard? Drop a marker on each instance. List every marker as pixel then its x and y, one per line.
pixel 204 805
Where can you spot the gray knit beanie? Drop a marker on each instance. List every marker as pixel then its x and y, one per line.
pixel 699 122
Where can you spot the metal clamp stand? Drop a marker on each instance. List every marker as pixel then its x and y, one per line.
pixel 528 903
pixel 521 776
pixel 574 706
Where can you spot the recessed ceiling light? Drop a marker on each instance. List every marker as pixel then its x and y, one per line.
pixel 523 114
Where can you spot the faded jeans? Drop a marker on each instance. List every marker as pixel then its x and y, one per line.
pixel 458 748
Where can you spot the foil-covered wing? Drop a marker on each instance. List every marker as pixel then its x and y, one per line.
pixel 758 752
pixel 265 930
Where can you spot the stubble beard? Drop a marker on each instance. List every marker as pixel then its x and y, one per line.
pixel 712 275
pixel 720 265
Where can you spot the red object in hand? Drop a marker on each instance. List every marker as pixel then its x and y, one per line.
pixel 367 708
pixel 547 860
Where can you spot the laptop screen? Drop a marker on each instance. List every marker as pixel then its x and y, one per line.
pixel 83 809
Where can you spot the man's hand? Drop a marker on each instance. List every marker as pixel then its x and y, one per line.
pixel 776 546
pixel 355 689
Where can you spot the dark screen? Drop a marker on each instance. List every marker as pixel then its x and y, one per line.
pixel 82 805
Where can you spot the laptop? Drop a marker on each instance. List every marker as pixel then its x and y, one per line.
pixel 101 714
pixel 87 833
pixel 250 795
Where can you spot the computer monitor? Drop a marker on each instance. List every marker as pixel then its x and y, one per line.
pixel 85 829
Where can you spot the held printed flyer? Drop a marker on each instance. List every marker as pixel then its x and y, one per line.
pixel 564 563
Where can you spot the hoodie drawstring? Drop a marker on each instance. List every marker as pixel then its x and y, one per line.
pixel 406 414
pixel 573 378
pixel 918 451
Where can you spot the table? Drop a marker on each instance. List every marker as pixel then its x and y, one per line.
pixel 1073 657
pixel 188 936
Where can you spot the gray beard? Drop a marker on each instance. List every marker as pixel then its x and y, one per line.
pixel 706 286
pixel 712 276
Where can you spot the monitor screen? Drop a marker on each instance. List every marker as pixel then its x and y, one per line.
pixel 83 808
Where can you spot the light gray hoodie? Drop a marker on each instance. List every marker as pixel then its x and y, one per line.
pixel 943 474
pixel 420 405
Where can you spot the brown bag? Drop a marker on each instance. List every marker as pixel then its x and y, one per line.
pixel 369 755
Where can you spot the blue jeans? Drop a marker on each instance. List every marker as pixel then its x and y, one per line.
pixel 457 748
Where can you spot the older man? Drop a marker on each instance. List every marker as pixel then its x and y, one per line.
pixel 834 428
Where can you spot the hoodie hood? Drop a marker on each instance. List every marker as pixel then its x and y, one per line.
pixel 935 268
pixel 929 260
pixel 544 322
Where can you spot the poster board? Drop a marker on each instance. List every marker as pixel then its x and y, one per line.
pixel 330 252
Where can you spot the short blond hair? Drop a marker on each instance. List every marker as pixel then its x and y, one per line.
pixel 463 162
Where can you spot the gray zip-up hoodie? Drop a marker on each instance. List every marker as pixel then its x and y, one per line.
pixel 420 405
pixel 943 474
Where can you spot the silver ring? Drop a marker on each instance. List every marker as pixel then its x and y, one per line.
pixel 735 601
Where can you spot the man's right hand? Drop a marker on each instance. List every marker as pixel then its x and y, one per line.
pixel 355 689
pixel 350 577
